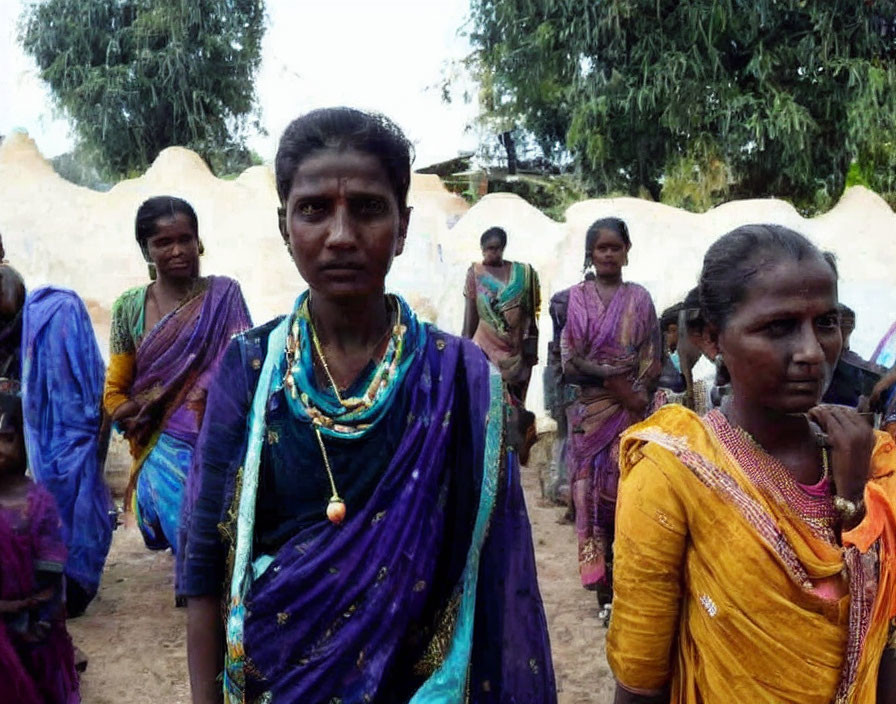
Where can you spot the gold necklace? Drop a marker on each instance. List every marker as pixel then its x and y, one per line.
pixel 336 508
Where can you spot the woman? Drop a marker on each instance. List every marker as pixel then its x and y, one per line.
pixel 611 350
pixel 503 300
pixel 167 338
pixel 66 432
pixel 756 548
pixel 379 545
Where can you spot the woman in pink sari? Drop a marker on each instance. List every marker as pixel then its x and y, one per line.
pixel 611 353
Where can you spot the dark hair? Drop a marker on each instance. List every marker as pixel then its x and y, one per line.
pixel 345 128
pixel 670 316
pixel 161 207
pixel 736 257
pixel 693 318
pixel 615 224
pixel 847 314
pixel 10 405
pixel 491 233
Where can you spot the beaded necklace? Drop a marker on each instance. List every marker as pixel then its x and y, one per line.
pixel 813 505
pixel 379 381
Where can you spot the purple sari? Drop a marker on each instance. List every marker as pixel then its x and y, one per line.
pixel 33 670
pixel 623 333
pixel 177 358
pixel 174 366
pixel 427 593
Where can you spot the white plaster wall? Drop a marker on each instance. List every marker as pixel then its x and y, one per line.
pixel 57 232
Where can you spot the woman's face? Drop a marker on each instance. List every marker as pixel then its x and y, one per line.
pixel 493 251
pixel 783 340
pixel 609 253
pixel 344 224
pixel 174 248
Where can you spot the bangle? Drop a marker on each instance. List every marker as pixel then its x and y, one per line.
pixel 848 509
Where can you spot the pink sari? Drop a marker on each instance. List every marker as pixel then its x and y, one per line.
pixel 623 333
pixel 33 671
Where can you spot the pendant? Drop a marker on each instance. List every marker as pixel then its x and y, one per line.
pixel 336 510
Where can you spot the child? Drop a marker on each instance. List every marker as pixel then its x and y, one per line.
pixel 36 654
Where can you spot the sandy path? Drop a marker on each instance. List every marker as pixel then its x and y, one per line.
pixel 135 638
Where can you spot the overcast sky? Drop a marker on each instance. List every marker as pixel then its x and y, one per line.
pixel 386 55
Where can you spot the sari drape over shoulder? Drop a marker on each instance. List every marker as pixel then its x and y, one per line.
pixel 427 592
pixel 623 333
pixel 730 582
pixel 167 372
pixel 506 311
pixel 40 671
pixel 62 389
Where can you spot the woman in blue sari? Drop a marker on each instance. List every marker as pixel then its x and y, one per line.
pixel 376 544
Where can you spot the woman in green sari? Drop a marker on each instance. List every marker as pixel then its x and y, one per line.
pixel 503 299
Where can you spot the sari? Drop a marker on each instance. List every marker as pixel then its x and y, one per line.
pixel 34 670
pixel 62 388
pixel 730 581
pixel 427 592
pixel 507 311
pixel 623 333
pixel 168 372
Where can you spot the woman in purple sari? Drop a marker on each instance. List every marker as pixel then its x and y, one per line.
pixel 377 547
pixel 167 339
pixel 611 351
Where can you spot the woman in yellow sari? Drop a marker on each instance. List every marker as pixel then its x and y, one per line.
pixel 756 548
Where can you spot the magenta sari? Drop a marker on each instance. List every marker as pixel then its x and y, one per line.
pixel 624 333
pixel 34 671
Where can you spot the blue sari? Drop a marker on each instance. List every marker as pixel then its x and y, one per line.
pixel 62 389
pixel 427 592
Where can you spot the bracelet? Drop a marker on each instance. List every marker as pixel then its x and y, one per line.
pixel 848 509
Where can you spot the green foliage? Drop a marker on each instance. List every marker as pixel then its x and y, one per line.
pixel 697 100
pixel 550 194
pixel 136 76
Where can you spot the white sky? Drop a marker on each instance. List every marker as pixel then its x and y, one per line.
pixel 386 55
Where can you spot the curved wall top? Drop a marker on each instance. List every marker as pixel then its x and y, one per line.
pixel 55 231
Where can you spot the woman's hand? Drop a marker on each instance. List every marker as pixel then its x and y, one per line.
pixel 634 399
pixel 851 442
pixel 14 606
pixel 882 386
pixel 125 414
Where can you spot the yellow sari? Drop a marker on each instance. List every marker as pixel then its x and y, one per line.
pixel 724 591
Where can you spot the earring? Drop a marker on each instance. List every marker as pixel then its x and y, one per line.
pixel 153 273
pixel 201 247
pixel 722 376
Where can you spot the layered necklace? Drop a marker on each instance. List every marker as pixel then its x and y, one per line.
pixel 812 504
pixel 356 405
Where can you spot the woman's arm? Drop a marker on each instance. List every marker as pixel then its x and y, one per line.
pixel 117 391
pixel 583 367
pixel 219 452
pixel 471 314
pixel 205 649
pixel 650 546
pixel 471 318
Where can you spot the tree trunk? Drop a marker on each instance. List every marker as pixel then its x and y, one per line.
pixel 507 141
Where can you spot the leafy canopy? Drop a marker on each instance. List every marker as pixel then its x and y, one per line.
pixel 696 101
pixel 136 76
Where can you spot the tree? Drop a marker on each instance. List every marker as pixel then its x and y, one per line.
pixel 136 76
pixel 698 100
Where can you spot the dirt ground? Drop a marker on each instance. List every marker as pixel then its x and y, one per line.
pixel 135 639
